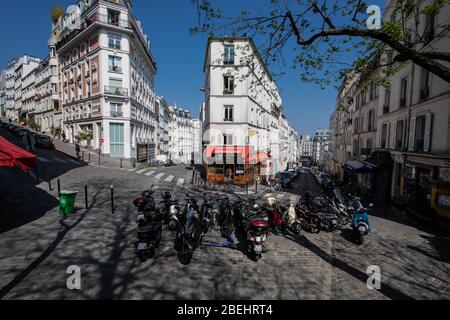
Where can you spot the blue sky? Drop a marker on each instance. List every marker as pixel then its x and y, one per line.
pixel 26 25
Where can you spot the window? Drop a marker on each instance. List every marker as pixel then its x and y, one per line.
pixel 228 113
pixel 227 139
pixel 384 137
pixel 372 91
pixel 424 84
pixel 429 30
pixel 400 134
pixel 356 125
pixel 355 148
pixel 371 121
pixel 229 55
pixel 363 97
pixel 228 85
pixel 420 133
pixel 116 109
pixel 115 64
pixel 403 92
pixel 114 41
pixel 387 100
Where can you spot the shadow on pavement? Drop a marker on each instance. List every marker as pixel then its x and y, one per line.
pixel 21 201
pixel 388 291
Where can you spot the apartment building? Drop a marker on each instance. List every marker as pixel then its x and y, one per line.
pixel 400 134
pixel 413 119
pixel 3 93
pixel 23 65
pixel 164 117
pixel 306 146
pixel 107 74
pixel 47 112
pixel 242 111
pixel 320 146
pixel 181 132
pixel 197 133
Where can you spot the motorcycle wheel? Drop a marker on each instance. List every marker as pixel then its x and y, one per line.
pixel 177 244
pixel 173 225
pixel 142 256
pixel 185 256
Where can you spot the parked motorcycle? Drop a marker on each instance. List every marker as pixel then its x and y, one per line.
pixel 255 226
pixel 225 217
pixel 189 231
pixel 275 214
pixel 360 222
pixel 292 222
pixel 149 220
pixel 171 210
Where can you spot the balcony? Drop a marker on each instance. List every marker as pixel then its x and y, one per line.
pixel 116 69
pixel 117 114
pixel 117 91
pixel 113 21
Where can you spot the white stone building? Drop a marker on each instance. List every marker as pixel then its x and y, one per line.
pixel 320 147
pixel 163 112
pixel 306 146
pixel 181 132
pixel 242 102
pixel 107 75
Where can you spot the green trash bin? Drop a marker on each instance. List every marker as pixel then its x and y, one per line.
pixel 67 202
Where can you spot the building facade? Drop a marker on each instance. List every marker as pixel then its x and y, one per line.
pixel 181 133
pixel 164 117
pixel 400 132
pixel 107 75
pixel 242 111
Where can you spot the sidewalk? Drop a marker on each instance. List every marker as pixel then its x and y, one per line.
pixel 89 157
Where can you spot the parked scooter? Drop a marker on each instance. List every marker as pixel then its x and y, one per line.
pixel 189 231
pixel 275 214
pixel 292 222
pixel 149 220
pixel 255 227
pixel 360 222
pixel 171 210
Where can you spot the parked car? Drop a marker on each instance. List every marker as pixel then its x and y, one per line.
pixel 44 142
pixel 21 132
pixel 322 177
pixel 285 179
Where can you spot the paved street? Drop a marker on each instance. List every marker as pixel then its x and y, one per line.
pixel 36 247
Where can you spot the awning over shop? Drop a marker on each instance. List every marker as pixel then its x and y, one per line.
pixel 11 155
pixel 379 159
pixel 216 150
pixel 356 166
pixel 258 157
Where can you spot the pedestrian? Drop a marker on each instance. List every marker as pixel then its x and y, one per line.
pixel 64 137
pixel 10 121
pixel 77 149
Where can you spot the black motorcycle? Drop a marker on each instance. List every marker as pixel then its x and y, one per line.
pixel 225 217
pixel 189 231
pixel 171 210
pixel 149 220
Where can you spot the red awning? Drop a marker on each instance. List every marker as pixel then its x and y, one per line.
pixel 243 151
pixel 11 155
pixel 258 157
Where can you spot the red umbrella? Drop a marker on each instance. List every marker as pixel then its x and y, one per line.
pixel 11 155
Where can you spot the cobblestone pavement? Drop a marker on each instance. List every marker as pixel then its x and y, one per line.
pixel 36 251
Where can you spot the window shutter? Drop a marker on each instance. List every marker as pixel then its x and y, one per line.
pixel 394 135
pixel 427 139
pixel 412 131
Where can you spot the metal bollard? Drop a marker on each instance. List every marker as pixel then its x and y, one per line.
pixel 246 188
pixel 59 188
pixel 82 156
pixel 121 163
pixel 256 190
pixel 86 196
pixel 112 199
pixel 50 185
pixel 89 157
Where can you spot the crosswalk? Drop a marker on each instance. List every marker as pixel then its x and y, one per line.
pixel 159 176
